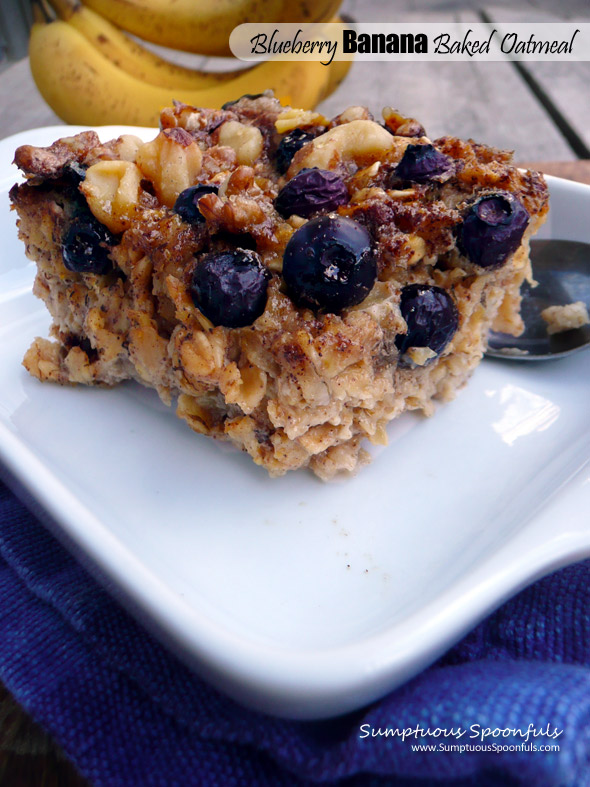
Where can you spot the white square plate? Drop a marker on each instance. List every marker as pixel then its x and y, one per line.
pixel 296 597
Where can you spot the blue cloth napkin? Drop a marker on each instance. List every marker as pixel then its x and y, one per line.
pixel 129 713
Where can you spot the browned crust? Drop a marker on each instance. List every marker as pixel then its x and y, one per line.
pixel 50 162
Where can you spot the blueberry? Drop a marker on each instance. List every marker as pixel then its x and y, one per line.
pixel 75 172
pixel 431 317
pixel 422 163
pixel 492 229
pixel 311 190
pixel 240 240
pixel 289 145
pixel 187 206
pixel 329 264
pixel 229 287
pixel 85 246
pixel 251 96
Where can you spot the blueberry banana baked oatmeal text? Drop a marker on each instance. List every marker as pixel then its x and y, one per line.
pixel 291 282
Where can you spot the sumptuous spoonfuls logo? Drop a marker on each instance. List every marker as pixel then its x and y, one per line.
pixel 474 739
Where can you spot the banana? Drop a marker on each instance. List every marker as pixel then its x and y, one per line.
pixel 337 71
pixel 131 56
pixel 204 26
pixel 83 87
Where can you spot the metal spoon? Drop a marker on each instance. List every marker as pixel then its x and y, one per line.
pixel 562 270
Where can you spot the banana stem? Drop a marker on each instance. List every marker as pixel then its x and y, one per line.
pixel 41 12
pixel 38 15
pixel 65 9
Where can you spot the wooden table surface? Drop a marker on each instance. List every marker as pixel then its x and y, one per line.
pixel 539 110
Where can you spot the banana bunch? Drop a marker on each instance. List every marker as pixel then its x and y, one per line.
pixel 91 72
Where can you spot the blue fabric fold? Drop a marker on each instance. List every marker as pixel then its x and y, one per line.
pixel 128 713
